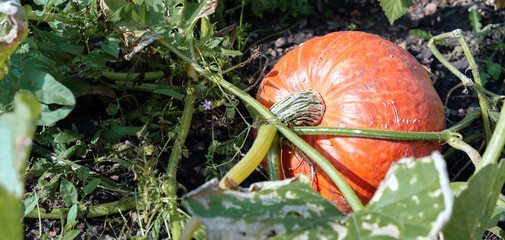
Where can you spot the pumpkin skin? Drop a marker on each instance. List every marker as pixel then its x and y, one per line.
pixel 365 82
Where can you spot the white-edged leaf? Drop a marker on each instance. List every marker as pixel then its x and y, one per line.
pixel 264 210
pixel 413 202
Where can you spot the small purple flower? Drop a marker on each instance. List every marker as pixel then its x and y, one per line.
pixel 206 105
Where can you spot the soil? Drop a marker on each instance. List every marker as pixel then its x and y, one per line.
pixel 361 15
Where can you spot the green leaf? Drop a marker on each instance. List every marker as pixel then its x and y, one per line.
pixel 123 15
pixel 474 17
pixel 67 136
pixel 29 204
pixel 68 192
pixel 11 226
pixel 227 52
pixel 91 186
pixel 49 3
pixel 71 234
pixel 111 47
pixel 474 207
pixel 170 93
pixel 484 76
pixel 426 35
pixel 127 131
pixel 394 9
pixel 494 70
pixel 49 92
pixel 56 100
pixel 83 173
pixel 71 217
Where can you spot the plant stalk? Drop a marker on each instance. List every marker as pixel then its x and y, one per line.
pixel 442 136
pixel 497 142
pixel 174 160
pixel 273 161
pixel 253 158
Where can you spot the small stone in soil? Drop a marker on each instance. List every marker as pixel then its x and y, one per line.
pixel 281 42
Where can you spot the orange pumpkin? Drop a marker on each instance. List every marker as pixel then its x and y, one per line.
pixel 365 82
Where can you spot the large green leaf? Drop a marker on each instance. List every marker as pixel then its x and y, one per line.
pixel 16 133
pixel 56 100
pixel 474 206
pixel 413 202
pixel 394 9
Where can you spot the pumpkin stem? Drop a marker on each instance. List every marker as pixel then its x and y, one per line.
pixel 304 108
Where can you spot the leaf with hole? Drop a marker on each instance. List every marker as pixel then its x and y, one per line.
pixel 413 202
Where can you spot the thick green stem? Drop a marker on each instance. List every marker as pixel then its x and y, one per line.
pixel 173 162
pixel 253 158
pixel 374 133
pixel 101 210
pixel 273 160
pixel 495 146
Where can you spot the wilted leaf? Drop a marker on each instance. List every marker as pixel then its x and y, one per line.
pixel 498 4
pixel 15 16
pixel 473 208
